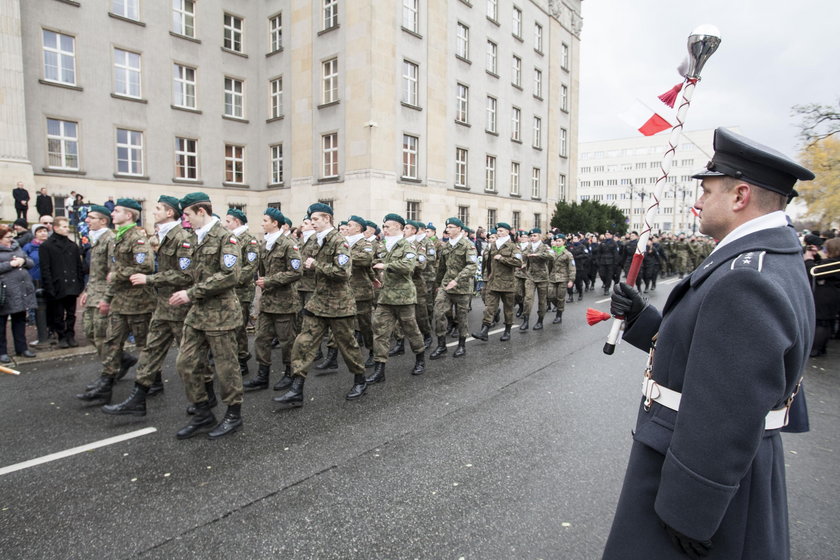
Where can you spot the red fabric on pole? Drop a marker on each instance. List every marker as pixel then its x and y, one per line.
pixel 670 96
pixel 653 125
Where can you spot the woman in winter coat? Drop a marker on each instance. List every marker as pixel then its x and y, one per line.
pixel 31 249
pixel 19 293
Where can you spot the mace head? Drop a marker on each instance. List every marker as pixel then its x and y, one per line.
pixel 702 43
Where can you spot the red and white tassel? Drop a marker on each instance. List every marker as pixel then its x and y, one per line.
pixel 670 96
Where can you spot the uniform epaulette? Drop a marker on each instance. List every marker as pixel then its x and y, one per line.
pixel 751 259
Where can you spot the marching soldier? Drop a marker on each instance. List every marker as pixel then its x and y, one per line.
pixel 456 270
pixel 681 253
pixel 361 281
pixel 236 222
pixel 504 258
pixel 397 298
pixel 212 320
pixel 561 277
pixel 426 246
pixel 519 273
pixel 538 258
pixel 99 261
pixel 128 307
pixel 421 315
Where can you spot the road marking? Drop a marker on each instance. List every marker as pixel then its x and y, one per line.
pixel 75 451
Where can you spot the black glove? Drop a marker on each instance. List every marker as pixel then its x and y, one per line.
pixel 692 548
pixel 627 302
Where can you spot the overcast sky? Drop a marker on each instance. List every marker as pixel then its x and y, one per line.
pixel 774 54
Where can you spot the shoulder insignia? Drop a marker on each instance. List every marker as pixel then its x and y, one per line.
pixel 141 241
pixel 185 245
pixel 421 258
pixel 229 260
pixel 140 258
pixel 518 255
pixel 233 239
pixel 343 259
pixel 473 258
pixel 295 264
pixel 368 249
pixel 184 263
pixel 431 251
pixel 253 242
pixel 753 259
pixel 252 256
pixel 297 248
pixel 345 245
pixel 410 255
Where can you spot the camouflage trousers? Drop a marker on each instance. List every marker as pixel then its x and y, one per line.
pixel 541 288
pixel 119 327
pixel 242 332
pixel 557 294
pixel 269 325
pixel 364 321
pixel 520 290
pixel 421 315
pixel 161 336
pixel 192 364
pixel 491 302
pixel 431 293
pixel 96 328
pixel 443 302
pixel 385 319
pixel 682 263
pixel 312 332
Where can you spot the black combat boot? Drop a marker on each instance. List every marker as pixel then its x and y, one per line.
pixel 294 396
pixel 519 309
pixel 378 375
pixel 440 350
pixel 453 332
pixel 505 335
pixel 462 347
pixel 229 424
pixel 134 405
pixel 525 323
pixel 243 367
pixel 330 362
pixel 571 298
pixel 203 418
pixel 100 392
pixel 260 382
pixel 398 349
pixel 285 381
pixel 211 398
pixel 427 340
pixel 419 364
pixel 126 363
pixel 359 387
pixel 496 317
pixel 369 362
pixel 539 325
pixel 156 387
pixel 558 318
pixel 482 334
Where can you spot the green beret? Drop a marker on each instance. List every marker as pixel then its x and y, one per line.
pixel 504 225
pixel 455 222
pixel 467 230
pixel 342 223
pixel 369 223
pixel 287 220
pixel 559 236
pixel 535 230
pixel 394 218
pixel 193 198
pixel 319 207
pixel 100 210
pixel 415 224
pixel 431 226
pixel 172 202
pixel 275 215
pixel 358 220
pixel 494 231
pixel 238 214
pixel 129 203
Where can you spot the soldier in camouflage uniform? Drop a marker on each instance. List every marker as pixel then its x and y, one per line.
pixel 331 306
pixel 432 251
pixel 681 254
pixel 99 262
pixel 519 274
pixel 418 277
pixel 128 307
pixel 504 258
pixel 456 270
pixel 397 300
pixel 212 320
pixel 361 281
pixel 280 267
pixel 561 277
pixel 236 222
pixel 174 257
pixel 538 258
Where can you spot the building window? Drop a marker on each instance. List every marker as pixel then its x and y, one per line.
pixel 537 132
pixel 564 98
pixel 59 58
pixel 516 124
pixel 276 164
pixel 491 114
pixel 330 14
pixel 409 15
pixel 492 58
pixel 275 32
pixel 330 80
pixel 126 73
pixel 409 156
pixel 535 183
pixel 564 143
pixel 126 8
pixel 516 221
pixel 517 22
pixel 62 144
pixel 538 38
pixel 234 164
pixel 464 214
pixel 329 154
pixel 562 185
pixel 183 17
pixel 491 218
pixel 233 33
pixel 564 56
pixel 538 220
pixel 493 9
pixel 234 98
pixel 462 105
pixel 490 173
pixel 462 46
pixel 186 158
pixel 183 86
pixel 516 71
pixel 410 73
pixel 412 210
pixel 461 162
pixel 537 82
pixel 514 178
pixel 276 97
pixel 129 152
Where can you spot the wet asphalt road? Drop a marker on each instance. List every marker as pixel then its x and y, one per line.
pixel 516 451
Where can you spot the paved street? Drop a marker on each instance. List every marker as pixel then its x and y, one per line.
pixel 516 451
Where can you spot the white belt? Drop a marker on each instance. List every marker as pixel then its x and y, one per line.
pixel 668 398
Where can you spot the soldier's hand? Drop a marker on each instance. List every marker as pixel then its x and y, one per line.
pixel 452 284
pixel 692 548
pixel 104 308
pixel 379 266
pixel 260 282
pixel 377 283
pixel 570 284
pixel 626 302
pixel 83 299
pixel 308 263
pixel 108 277
pixel 179 298
pixel 137 279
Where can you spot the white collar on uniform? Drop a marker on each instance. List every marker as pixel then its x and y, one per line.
pixel 240 230
pixel 454 241
pixel 202 231
pixel 767 221
pixel 271 239
pixel 421 236
pixel 412 239
pixel 321 235
pixel 501 241
pixel 163 229
pixel 353 239
pixel 95 234
pixel 391 241
pixel 535 246
pixel 307 234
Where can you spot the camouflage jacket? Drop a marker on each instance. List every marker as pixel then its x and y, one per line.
pixel 681 247
pixel 458 263
pixel 100 255
pixel 564 267
pixel 538 262
pixel 250 259
pixel 520 272
pixel 174 258
pixel 132 254
pixel 429 249
pixel 333 296
pixel 419 274
pixel 397 283
pixel 500 276
pixel 281 267
pixel 309 248
pixel 361 276
pixel 215 270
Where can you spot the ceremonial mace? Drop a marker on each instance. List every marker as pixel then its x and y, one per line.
pixel 702 43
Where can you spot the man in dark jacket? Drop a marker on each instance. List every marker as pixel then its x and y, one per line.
pixel 706 476
pixel 44 203
pixel 62 278
pixel 21 196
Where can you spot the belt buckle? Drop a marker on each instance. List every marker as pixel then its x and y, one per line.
pixel 649 385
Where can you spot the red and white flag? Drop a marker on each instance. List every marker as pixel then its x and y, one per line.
pixel 644 120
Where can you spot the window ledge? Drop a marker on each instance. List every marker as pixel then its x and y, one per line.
pixel 63 171
pixel 539 52
pixel 462 123
pixel 491 132
pixel 491 191
pixel 126 19
pixel 275 186
pixel 272 53
pixel 131 177
pixel 187 181
pixel 336 179
pixel 538 97
pixel 516 195
pixel 493 74
pixel 410 106
pixel 536 198
pixel 517 86
pixel 328 29
pixel 462 59
pixel 411 180
pixel 412 33
pixel 61 85
pixel 235 119
pixel 231 51
pixel 517 37
pixel 129 98
pixel 277 118
pixel 185 37
pixel 71 3
pixel 516 140
pixel 461 187
pixel 187 109
pixel 236 185
pixel 329 104
pixel 493 21
pixel 537 148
